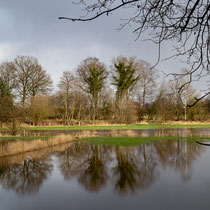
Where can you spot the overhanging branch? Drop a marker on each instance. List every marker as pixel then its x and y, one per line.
pixel 99 14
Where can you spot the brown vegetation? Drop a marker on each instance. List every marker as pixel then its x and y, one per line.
pixel 126 93
pixel 21 146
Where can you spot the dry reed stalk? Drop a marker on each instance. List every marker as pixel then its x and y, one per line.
pixel 37 154
pixel 20 146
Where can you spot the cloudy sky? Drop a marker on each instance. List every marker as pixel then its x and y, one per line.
pixel 32 27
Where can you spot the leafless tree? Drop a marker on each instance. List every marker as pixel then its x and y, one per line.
pixel 6 106
pixel 7 76
pixel 163 106
pixel 41 82
pixel 39 109
pixel 147 84
pixel 181 97
pixel 65 85
pixel 30 77
pixel 184 24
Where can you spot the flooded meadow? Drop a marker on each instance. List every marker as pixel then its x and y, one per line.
pixel 162 174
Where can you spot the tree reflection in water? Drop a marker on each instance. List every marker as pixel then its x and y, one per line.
pixel 128 169
pixel 134 170
pixel 26 177
pixel 178 155
pixel 95 174
pixel 87 163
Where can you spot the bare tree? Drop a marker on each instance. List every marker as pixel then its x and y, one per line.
pixel 4 89
pixel 147 84
pixel 41 82
pixel 181 97
pixel 6 102
pixel 163 107
pixel 7 76
pixel 14 118
pixel 31 79
pixel 184 24
pixel 39 109
pixel 107 103
pixel 66 83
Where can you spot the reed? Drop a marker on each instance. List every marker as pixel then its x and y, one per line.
pixel 20 146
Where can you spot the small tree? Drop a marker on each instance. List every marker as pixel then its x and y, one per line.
pixel 163 107
pixel 146 85
pixel 66 85
pixel 6 102
pixel 4 89
pixel 199 112
pixel 40 82
pixel 10 114
pixel 14 121
pixel 181 97
pixel 39 108
pixel 8 77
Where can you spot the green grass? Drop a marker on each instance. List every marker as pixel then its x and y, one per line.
pixel 7 138
pixel 121 127
pixel 112 141
pixel 133 141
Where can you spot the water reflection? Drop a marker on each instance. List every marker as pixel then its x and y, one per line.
pixel 128 169
pixel 199 132
pixel 178 155
pixel 87 163
pixel 95 175
pixel 125 169
pixel 134 169
pixel 25 177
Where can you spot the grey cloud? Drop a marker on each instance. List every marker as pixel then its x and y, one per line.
pixel 32 26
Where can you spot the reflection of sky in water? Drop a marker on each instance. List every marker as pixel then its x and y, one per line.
pixel 118 133
pixel 177 177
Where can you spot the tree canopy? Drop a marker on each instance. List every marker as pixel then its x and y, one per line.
pixel 25 77
pixel 92 74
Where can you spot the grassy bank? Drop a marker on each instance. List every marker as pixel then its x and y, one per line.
pixel 9 145
pixel 133 141
pixel 120 127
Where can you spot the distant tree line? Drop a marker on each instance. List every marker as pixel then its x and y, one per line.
pixel 126 92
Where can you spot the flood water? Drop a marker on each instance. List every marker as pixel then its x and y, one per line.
pixel 166 174
pixel 184 132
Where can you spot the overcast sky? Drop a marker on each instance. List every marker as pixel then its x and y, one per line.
pixel 32 28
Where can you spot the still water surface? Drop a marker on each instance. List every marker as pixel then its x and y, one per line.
pixel 205 132
pixel 162 175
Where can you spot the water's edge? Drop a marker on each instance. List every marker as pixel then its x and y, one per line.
pixel 14 147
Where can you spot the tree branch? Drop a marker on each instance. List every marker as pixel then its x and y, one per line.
pixel 198 99
pixel 99 14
